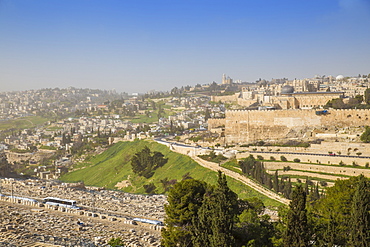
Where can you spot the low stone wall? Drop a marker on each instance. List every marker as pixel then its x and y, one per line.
pixel 308 158
pixel 343 170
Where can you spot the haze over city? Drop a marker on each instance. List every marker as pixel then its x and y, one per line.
pixel 136 46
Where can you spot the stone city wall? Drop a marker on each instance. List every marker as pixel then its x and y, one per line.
pixel 244 126
pixel 216 123
pixel 226 98
pixel 245 102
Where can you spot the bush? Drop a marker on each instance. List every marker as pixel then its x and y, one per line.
pixel 297 160
pixel 115 242
pixel 323 183
pixel 272 158
pixel 150 188
pixel 259 157
pixel 367 165
pixel 365 137
pixel 282 158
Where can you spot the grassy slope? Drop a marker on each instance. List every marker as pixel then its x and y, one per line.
pixel 22 123
pixel 113 166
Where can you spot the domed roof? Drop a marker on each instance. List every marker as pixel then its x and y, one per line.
pixel 339 77
pixel 287 89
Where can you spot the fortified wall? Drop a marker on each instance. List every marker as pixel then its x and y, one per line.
pixel 245 126
pixel 216 123
pixel 225 98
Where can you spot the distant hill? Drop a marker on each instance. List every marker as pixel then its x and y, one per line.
pixel 113 167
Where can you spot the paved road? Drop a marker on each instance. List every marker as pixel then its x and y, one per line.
pixel 215 167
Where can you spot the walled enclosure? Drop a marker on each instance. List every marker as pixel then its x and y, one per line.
pixel 245 126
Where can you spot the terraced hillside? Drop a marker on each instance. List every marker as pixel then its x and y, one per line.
pixel 112 168
pixel 315 167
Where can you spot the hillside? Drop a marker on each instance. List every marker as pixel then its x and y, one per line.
pixel 113 167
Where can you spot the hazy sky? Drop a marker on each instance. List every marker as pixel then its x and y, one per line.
pixel 139 45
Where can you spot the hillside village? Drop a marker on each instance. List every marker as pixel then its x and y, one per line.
pixel 316 124
pixel 78 116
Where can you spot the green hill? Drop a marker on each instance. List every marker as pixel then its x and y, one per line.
pixel 113 166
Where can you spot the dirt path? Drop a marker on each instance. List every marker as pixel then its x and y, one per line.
pixel 259 188
pixel 190 151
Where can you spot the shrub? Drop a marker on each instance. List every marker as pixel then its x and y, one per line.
pixel 150 188
pixel 282 158
pixel 367 165
pixel 115 242
pixel 297 160
pixel 259 157
pixel 272 158
pixel 323 183
pixel 365 137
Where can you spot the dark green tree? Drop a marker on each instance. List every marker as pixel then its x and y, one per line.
pixel 214 225
pixel 276 181
pixel 365 137
pixel 297 232
pixel 367 96
pixel 5 168
pixel 359 98
pixel 144 163
pixel 150 188
pixel 184 201
pixel 333 213
pixel 360 214
pixel 207 114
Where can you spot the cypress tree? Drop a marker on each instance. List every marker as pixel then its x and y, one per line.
pixel 269 181
pixel 306 188
pixel 216 217
pixel 297 227
pixel 184 201
pixel 360 215
pixel 289 189
pixel 276 182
